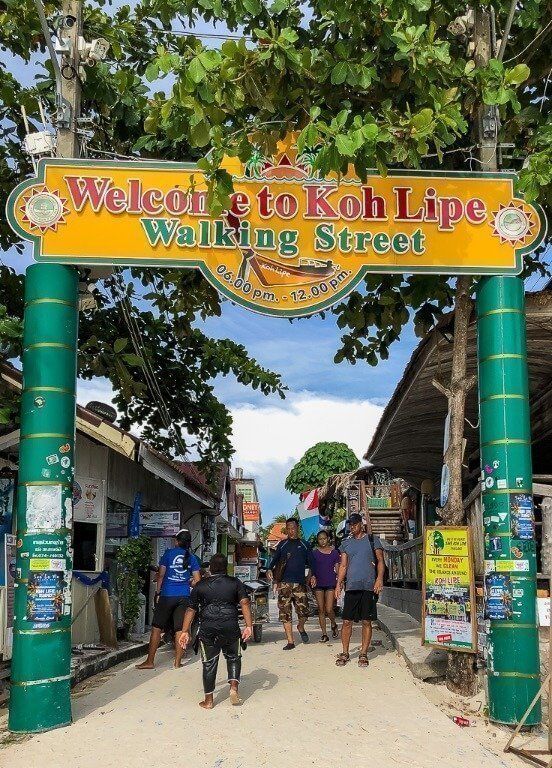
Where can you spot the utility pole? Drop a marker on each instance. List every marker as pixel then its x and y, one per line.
pixel 510 559
pixel 40 673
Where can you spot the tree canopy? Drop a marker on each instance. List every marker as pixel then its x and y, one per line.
pixel 378 84
pixel 318 464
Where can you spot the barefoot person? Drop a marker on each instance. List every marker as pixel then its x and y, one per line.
pixel 361 569
pixel 217 598
pixel 178 572
pixel 326 560
pixel 287 570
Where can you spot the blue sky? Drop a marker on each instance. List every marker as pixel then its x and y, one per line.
pixel 324 402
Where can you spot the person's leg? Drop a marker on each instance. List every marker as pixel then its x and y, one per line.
pixel 366 636
pixel 301 603
pixel 284 608
pixel 210 651
pixel 154 642
pixel 329 599
pixel 232 653
pixel 178 620
pixel 319 595
pixel 346 632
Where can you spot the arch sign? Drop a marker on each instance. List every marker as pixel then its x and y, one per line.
pixel 292 243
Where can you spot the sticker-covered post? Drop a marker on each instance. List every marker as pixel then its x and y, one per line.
pixel 40 672
pixel 510 556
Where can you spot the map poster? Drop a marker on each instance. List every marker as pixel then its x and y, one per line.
pixel 448 599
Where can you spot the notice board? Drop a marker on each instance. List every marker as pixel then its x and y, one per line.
pixel 448 599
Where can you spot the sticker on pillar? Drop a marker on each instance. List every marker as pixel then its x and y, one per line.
pixel 65 462
pixel 45 596
pixel 52 459
pixel 64 448
pixel 498 597
pixel 495 544
pixel 46 564
pixel 501 484
pixel 39 401
pixel 519 482
pixel 43 511
pixel 46 474
pixel 489 482
pixel 522 516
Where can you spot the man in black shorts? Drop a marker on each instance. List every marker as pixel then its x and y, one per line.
pixel 217 598
pixel 178 572
pixel 361 568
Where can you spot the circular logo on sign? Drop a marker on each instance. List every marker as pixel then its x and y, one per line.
pixel 512 223
pixel 43 209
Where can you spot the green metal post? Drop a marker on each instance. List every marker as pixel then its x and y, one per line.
pixel 40 673
pixel 510 557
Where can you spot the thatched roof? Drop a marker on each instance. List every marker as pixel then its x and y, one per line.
pixel 409 436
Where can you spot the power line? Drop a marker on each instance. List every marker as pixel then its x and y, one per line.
pixel 543 30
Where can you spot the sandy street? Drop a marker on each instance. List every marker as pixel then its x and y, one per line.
pixel 300 710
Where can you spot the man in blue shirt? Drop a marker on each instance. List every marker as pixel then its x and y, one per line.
pixel 177 574
pixel 292 558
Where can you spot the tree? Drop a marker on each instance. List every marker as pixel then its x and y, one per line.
pixel 318 464
pixel 378 85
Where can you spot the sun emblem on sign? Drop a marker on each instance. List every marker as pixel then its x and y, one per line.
pixel 43 209
pixel 513 223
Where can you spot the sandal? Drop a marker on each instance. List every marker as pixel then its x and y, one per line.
pixel 335 630
pixel 363 660
pixel 342 659
pixel 324 639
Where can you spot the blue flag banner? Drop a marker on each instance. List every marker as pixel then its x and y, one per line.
pixel 134 519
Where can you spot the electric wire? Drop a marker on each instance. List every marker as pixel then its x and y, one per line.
pixel 539 34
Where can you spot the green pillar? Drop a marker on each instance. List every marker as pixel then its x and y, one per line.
pixel 40 672
pixel 510 559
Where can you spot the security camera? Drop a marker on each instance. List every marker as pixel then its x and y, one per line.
pixel 93 52
pixel 462 25
pixel 69 21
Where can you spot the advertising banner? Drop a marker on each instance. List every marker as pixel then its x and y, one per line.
pixel 88 500
pixel 159 524
pixel 448 606
pixel 292 242
pixel 9 581
pixel 251 512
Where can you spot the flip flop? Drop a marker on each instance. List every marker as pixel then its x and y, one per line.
pixel 342 659
pixel 324 639
pixel 363 660
pixel 335 630
pixel 304 636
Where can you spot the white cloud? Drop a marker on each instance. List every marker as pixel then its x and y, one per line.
pixel 270 440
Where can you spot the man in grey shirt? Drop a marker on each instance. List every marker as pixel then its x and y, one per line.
pixel 361 569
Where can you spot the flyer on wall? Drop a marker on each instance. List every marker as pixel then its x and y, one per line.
pixel 448 589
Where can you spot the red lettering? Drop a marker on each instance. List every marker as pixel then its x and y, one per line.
pixel 431 205
pixel 264 199
pixel 451 211
pixel 87 189
pixel 176 201
pixel 349 207
pixel 134 196
pixel 402 196
pixel 115 200
pixel 476 211
pixel 151 201
pixel 286 205
pixel 374 205
pixel 318 207
pixel 240 204
pixel 199 204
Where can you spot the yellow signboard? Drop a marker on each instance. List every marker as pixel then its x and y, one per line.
pixel 448 589
pixel 292 243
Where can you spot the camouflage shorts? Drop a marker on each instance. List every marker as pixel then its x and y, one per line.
pixel 292 595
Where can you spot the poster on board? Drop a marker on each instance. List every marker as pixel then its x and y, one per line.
pixel 448 600
pixel 88 498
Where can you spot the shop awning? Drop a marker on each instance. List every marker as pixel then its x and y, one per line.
pixel 409 437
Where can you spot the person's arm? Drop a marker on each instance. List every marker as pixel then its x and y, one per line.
pixel 311 564
pixel 380 567
pixel 275 558
pixel 189 617
pixel 341 574
pixel 196 571
pixel 160 576
pixel 246 610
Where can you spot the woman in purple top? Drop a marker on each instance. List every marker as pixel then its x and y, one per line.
pixel 326 560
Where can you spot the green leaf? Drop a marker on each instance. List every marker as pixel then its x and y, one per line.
pixel 339 73
pixel 518 74
pixel 132 359
pixel 119 345
pixel 152 71
pixel 196 70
